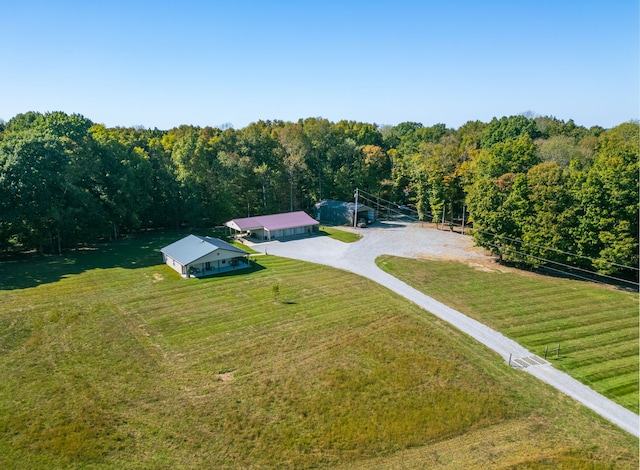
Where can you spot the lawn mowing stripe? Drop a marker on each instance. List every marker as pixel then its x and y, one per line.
pixel 615 369
pixel 284 346
pixel 586 332
pixel 580 357
pixel 625 386
pixel 606 339
pixel 206 312
pixel 577 356
pixel 576 315
pixel 221 324
pixel 526 315
pixel 224 324
pixel 562 309
pixel 579 314
pixel 559 329
pixel 584 337
pixel 211 329
pixel 182 407
pixel 521 286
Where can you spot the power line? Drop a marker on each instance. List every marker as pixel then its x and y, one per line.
pixel 611 263
pixel 392 206
pixel 522 242
pixel 577 268
pixel 593 273
pixel 575 255
pixel 573 275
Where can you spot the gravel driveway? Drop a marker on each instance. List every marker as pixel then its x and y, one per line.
pixel 414 240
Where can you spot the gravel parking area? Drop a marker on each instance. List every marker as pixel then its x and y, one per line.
pixel 416 240
pixel 407 239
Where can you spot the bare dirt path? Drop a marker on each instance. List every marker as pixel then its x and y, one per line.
pixel 414 240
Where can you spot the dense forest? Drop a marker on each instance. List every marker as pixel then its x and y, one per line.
pixel 536 190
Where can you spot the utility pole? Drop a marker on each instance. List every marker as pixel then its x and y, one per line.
pixel 355 210
pixel 451 214
pixel 463 208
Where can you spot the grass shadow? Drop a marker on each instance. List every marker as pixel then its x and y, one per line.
pixel 254 268
pixel 388 224
pixel 582 275
pixel 25 270
pixel 560 358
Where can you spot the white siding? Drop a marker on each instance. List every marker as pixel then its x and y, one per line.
pixel 173 264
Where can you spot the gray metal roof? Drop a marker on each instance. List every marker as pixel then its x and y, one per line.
pixel 194 247
pixel 344 205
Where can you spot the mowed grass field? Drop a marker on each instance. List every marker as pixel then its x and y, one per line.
pixel 340 235
pixel 108 359
pixel 596 326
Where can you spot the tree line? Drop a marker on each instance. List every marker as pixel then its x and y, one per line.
pixel 536 189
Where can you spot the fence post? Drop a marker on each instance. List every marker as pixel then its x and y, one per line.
pixel 546 351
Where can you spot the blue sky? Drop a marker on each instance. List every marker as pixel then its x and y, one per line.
pixel 163 63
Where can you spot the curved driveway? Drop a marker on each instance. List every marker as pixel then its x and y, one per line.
pixel 414 241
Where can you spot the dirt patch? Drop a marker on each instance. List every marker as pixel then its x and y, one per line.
pixel 487 265
pixel 225 376
pixel 157 277
pixel 479 265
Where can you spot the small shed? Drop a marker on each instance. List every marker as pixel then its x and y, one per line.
pixel 195 256
pixel 274 226
pixel 330 211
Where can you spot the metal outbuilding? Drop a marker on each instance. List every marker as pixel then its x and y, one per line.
pixel 273 226
pixel 341 213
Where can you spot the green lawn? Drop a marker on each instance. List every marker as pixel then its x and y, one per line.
pixel 596 326
pixel 340 235
pixel 110 360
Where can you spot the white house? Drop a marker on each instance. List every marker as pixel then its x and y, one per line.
pixel 268 227
pixel 195 256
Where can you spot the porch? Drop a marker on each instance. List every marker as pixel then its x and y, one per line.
pixel 209 268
